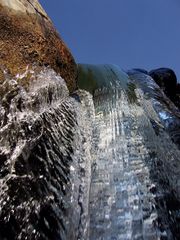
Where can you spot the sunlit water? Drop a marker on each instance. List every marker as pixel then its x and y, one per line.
pixel 45 141
pixel 136 164
pixel 101 164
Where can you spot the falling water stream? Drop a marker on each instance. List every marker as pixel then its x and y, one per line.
pixel 45 141
pixel 100 164
pixel 136 162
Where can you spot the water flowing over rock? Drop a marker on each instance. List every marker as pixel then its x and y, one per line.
pixel 98 163
pixel 27 37
pixel 45 141
pixel 135 188
pixel 101 163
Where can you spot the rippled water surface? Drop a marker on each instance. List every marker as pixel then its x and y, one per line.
pixel 136 164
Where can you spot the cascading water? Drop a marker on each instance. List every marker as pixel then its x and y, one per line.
pixel 45 141
pixel 102 164
pixel 136 166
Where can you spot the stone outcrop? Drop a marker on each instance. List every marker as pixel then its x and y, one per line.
pixel 166 79
pixel 28 38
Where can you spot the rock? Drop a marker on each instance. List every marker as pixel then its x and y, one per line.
pixel 178 89
pixel 177 101
pixel 166 79
pixel 28 37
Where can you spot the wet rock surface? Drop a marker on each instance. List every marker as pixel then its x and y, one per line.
pixel 28 37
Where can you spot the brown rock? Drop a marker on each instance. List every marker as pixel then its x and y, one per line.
pixel 27 37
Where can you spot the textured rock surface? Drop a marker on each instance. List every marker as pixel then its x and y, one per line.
pixel 27 37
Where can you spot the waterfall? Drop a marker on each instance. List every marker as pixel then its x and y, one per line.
pixel 45 143
pixel 101 164
pixel 136 168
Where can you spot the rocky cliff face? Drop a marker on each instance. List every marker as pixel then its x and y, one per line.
pixel 27 37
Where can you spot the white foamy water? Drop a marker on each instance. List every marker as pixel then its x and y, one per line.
pixel 45 145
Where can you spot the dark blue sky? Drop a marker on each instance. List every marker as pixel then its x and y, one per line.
pixel 129 33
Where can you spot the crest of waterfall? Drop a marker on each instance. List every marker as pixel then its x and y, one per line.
pixel 45 144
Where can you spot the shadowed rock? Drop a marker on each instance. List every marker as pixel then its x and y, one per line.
pixel 27 37
pixel 177 100
pixel 178 88
pixel 166 79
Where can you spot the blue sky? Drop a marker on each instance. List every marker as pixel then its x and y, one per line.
pixel 128 33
